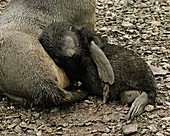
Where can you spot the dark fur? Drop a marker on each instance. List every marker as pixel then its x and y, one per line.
pixel 52 41
pixel 131 72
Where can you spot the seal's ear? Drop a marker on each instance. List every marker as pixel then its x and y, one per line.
pixel 104 67
pixel 72 28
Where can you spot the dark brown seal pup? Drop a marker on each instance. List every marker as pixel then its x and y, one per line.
pixel 67 45
pixel 134 81
pixel 27 73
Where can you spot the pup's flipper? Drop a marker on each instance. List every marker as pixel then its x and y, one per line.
pixel 104 67
pixel 138 106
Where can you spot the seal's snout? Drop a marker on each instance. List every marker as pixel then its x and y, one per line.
pixel 70 52
pixel 70 47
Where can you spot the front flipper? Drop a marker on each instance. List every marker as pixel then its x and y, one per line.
pixel 17 99
pixel 138 106
pixel 104 67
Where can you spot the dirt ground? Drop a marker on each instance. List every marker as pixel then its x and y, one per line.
pixel 143 26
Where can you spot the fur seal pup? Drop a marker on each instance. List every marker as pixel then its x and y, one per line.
pixel 65 44
pixel 134 81
pixel 27 73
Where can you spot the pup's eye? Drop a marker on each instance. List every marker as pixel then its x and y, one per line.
pixel 72 28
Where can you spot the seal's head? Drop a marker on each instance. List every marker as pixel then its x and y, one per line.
pixel 60 40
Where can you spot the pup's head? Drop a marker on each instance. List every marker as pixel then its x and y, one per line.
pixel 60 39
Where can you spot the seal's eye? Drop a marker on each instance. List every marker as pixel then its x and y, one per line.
pixel 73 28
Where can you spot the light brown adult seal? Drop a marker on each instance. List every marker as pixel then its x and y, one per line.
pixel 27 73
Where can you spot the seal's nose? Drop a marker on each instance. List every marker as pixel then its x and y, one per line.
pixel 70 52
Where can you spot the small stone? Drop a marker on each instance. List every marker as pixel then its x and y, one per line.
pixel 36 115
pixel 30 126
pixel 17 120
pixel 159 134
pixel 155 48
pixel 152 128
pixel 166 119
pixel 88 123
pixel 48 130
pixel 168 85
pixel 158 70
pixel 103 29
pixel 59 128
pixel 23 124
pixel 18 129
pixel 151 116
pixel 80 124
pixel 127 24
pixel 88 102
pixel 107 130
pixel 64 125
pixel 148 52
pixel 149 108
pixel 144 131
pixel 104 134
pixel 156 23
pixel 1 127
pixel 144 36
pixel 59 133
pixel 167 103
pixel 113 130
pixel 166 32
pixel 12 126
pixel 118 108
pixel 166 133
pixel 110 2
pixel 126 36
pixel 94 131
pixel 39 133
pixel 32 132
pixel 106 118
pixel 166 66
pixel 130 129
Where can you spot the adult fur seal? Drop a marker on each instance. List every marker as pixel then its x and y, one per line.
pixel 27 73
pixel 134 81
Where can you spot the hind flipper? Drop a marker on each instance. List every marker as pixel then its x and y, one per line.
pixel 127 97
pixel 138 106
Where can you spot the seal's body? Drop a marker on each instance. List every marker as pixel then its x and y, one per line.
pixel 134 81
pixel 32 16
pixel 27 73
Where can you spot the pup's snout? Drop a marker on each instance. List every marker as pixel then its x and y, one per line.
pixel 70 52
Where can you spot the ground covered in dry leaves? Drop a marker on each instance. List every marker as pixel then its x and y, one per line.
pixel 143 26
